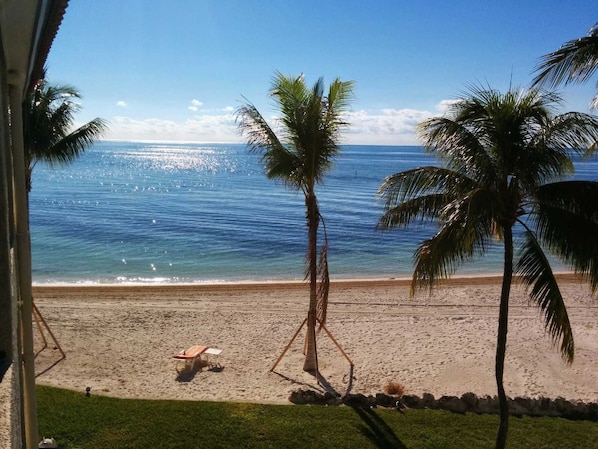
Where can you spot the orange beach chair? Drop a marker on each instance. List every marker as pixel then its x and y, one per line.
pixel 191 356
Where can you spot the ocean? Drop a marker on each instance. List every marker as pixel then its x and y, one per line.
pixel 167 213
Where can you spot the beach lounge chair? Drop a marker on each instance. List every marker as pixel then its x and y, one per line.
pixel 191 356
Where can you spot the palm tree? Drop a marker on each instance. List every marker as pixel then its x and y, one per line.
pixel 575 62
pixel 299 156
pixel 48 117
pixel 504 159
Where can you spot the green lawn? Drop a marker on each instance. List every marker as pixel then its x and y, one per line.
pixel 79 422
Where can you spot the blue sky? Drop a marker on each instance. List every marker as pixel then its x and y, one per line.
pixel 175 70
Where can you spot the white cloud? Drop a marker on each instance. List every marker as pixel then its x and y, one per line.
pixel 195 105
pixel 445 104
pixel 204 128
pixel 121 104
pixel 383 127
pixel 386 127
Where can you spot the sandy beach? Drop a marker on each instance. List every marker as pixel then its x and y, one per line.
pixel 119 340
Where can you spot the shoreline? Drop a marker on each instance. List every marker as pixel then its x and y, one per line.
pixel 119 340
pixel 461 279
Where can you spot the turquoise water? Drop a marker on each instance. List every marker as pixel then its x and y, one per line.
pixel 130 212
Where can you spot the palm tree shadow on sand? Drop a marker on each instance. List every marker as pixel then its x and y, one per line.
pixel 322 382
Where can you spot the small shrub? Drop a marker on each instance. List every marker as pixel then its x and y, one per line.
pixel 395 388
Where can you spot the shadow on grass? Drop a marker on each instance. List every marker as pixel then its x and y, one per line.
pixel 377 431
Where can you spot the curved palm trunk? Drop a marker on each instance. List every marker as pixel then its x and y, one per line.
pixel 311 357
pixel 501 344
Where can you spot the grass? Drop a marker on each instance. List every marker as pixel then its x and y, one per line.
pixel 80 422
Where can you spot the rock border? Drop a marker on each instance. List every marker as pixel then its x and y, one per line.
pixel 467 403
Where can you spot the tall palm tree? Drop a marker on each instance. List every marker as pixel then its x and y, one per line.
pixel 505 158
pixel 48 118
pixel 575 62
pixel 299 154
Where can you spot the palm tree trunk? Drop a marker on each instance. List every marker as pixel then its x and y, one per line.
pixel 311 357
pixel 501 344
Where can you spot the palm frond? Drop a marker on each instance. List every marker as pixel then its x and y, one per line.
pixel 537 274
pixel 456 145
pixel 48 117
pixel 324 285
pixel 70 146
pixel 340 96
pixel 279 163
pixel 566 221
pixel 256 129
pixel 575 62
pixel 576 196
pixel 439 257
pixel 324 278
pixel 405 212
pixel 571 132
pixel 312 122
pixel 466 230
pixel 420 181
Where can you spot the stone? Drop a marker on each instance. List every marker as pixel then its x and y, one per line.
pixel 487 405
pixel 470 400
pixel 429 401
pixel 302 397
pixel 385 400
pixel 451 403
pixel 519 406
pixel 356 400
pixel 412 401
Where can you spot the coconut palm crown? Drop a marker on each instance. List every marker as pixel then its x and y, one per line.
pixel 299 152
pixel 505 159
pixel 48 119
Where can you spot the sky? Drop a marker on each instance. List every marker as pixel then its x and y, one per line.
pixel 176 70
